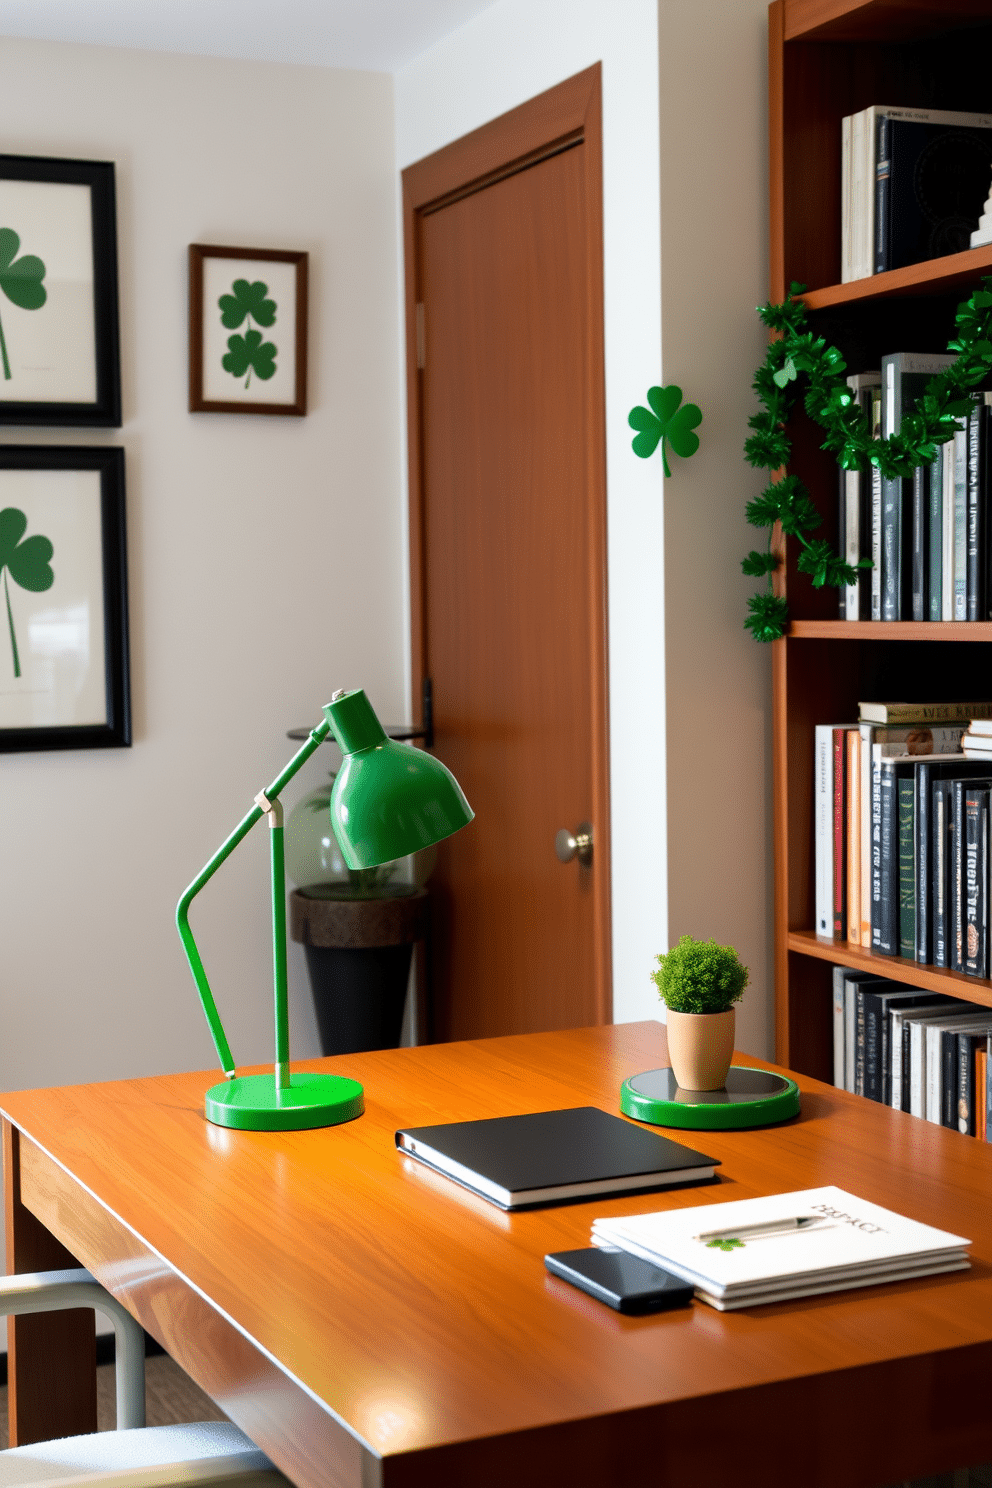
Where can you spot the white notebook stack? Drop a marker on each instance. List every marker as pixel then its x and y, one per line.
pixel 786 1246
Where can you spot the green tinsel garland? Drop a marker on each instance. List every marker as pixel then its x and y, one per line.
pixel 829 402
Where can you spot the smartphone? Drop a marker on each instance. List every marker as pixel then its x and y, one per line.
pixel 623 1281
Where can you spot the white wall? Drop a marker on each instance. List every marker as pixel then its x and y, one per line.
pixel 714 271
pixel 514 50
pixel 266 555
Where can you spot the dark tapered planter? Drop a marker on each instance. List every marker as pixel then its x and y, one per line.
pixel 358 955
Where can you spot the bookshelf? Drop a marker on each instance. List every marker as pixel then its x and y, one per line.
pixel 828 58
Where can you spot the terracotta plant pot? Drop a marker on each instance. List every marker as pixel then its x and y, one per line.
pixel 700 1047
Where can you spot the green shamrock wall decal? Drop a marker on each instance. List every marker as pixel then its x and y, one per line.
pixel 27 563
pixel 667 422
pixel 20 280
pixel 248 353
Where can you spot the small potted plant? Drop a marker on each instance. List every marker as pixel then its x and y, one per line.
pixel 699 982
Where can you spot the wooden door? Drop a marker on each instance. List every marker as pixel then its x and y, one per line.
pixel 504 275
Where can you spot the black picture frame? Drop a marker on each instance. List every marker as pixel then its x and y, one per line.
pixel 114 731
pixel 104 410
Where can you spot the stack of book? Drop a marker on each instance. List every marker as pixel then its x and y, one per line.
pixel 916 1051
pixel 913 185
pixel 928 537
pixel 790 1245
pixel 878 856
pixel 976 742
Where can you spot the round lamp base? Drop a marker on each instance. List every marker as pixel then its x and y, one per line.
pixel 252 1103
pixel 751 1097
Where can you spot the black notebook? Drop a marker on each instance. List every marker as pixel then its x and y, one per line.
pixel 549 1157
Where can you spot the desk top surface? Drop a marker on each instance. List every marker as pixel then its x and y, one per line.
pixel 421 1315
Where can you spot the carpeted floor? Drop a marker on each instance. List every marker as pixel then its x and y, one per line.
pixel 170 1395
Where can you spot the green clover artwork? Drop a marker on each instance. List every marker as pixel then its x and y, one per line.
pixel 20 280
pixel 667 422
pixel 26 560
pixel 248 353
pixel 730 1243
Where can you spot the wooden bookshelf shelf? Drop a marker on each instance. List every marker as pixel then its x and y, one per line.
pixel 930 978
pixel 894 630
pixel 829 59
pixel 871 20
pixel 956 272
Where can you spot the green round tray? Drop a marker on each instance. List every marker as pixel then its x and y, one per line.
pixel 751 1097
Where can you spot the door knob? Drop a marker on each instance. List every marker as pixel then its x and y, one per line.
pixel 577 844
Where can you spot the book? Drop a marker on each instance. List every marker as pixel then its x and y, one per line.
pixel 896 713
pixel 961 523
pixel 878 998
pixel 860 181
pixel 915 1030
pixel 875 510
pixel 838 1026
pixel 970 775
pixel 940 852
pixel 975 578
pixel 935 541
pixel 931 180
pixel 783 1246
pixel 947 531
pixel 981 1091
pixel 855 507
pixel 942 1064
pixel 896 892
pixel 829 834
pixel 928 770
pixel 913 739
pixel 547 1157
pixel 855 983
pixel 907 1005
pixel 852 847
pixel 976 881
pixel 985 487
pixel 906 808
pixel 971 1046
pixel 979 728
pixel 846 190
pixel 885 875
pixel 823 827
pixel 904 379
pixel 839 825
pixel 920 524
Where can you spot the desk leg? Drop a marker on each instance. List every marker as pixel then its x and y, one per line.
pixel 51 1357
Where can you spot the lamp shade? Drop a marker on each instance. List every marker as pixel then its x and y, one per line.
pixel 388 799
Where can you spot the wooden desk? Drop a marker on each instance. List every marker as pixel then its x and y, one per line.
pixel 367 1322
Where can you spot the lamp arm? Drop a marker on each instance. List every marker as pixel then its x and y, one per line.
pixel 317 737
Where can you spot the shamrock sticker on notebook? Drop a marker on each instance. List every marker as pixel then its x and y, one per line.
pixel 248 353
pixel 725 1244
pixel 20 280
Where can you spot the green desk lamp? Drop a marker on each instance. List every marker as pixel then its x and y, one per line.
pixel 388 800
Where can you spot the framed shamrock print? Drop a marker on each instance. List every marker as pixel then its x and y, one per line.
pixel 59 355
pixel 64 680
pixel 247 330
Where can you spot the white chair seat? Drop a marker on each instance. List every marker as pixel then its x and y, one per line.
pixel 136 1455
pixel 146 1457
